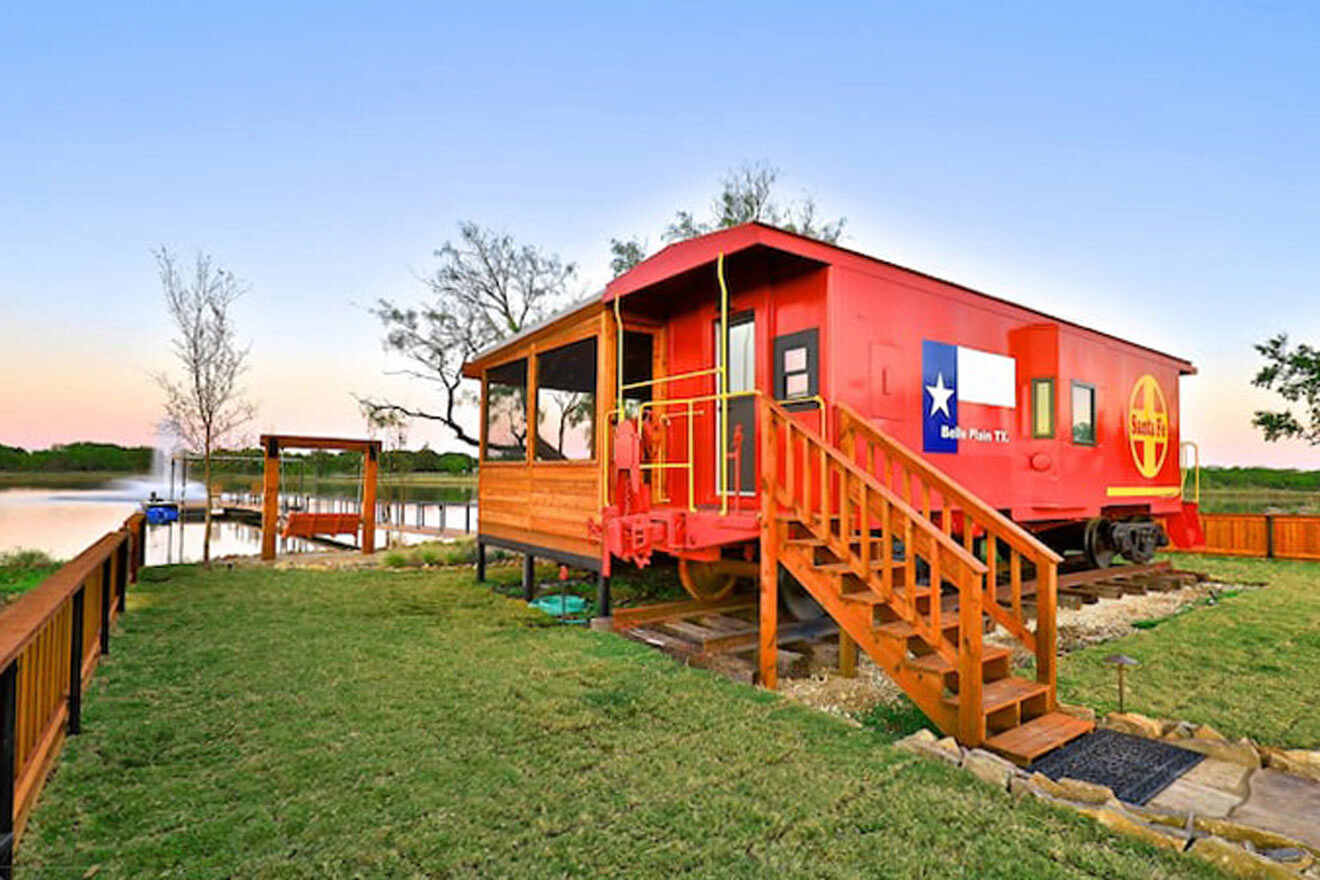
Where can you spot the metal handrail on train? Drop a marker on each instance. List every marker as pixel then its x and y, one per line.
pixel 1196 471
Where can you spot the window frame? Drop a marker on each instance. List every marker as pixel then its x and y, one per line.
pixel 1095 414
pixel 486 384
pixel 535 401
pixel 1050 433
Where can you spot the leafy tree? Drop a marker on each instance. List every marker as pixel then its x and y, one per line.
pixel 205 407
pixel 486 287
pixel 746 195
pixel 1294 373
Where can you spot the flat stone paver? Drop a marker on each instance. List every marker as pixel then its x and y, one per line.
pixel 1183 796
pixel 1226 776
pixel 1286 804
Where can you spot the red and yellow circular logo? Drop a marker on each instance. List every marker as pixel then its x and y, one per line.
pixel 1148 426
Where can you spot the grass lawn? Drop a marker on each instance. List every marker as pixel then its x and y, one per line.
pixel 260 723
pixel 1247 666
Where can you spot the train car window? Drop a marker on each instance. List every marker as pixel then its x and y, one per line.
pixel 566 402
pixel 1042 407
pixel 506 412
pixel 1083 413
pixel 797 367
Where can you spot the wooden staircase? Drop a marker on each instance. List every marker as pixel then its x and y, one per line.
pixel 913 568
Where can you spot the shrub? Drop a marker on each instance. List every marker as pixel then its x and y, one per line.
pixel 395 559
pixel 25 559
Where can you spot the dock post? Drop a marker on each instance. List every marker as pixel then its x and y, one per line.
pixel 529 577
pixel 467 517
pixel 602 595
pixel 121 577
pixel 481 562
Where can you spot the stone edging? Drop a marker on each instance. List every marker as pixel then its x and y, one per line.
pixel 1237 849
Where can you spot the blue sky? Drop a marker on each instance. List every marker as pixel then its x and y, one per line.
pixel 1149 170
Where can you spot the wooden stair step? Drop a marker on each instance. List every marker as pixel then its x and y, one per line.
pixel 901 629
pixel 996 695
pixel 844 568
pixel 871 597
pixel 1027 742
pixel 937 664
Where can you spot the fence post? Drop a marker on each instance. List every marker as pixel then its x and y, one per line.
pixel 76 661
pixel 121 576
pixel 105 606
pixel 467 518
pixel 8 708
pixel 481 562
pixel 1269 536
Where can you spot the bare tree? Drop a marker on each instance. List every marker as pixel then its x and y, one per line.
pixel 204 407
pixel 487 287
pixel 746 195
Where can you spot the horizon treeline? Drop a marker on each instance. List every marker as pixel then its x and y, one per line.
pixel 111 457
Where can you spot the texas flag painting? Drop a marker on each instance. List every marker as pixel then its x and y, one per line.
pixel 952 375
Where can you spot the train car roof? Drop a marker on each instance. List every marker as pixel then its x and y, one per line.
pixel 686 255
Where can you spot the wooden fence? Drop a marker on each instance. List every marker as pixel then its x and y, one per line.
pixel 1270 535
pixel 50 641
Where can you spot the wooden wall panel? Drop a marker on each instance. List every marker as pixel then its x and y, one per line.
pixel 546 504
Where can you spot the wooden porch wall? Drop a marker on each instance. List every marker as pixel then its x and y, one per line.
pixel 547 503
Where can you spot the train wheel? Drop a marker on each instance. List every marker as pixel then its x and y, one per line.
pixel 795 598
pixel 1096 544
pixel 707 581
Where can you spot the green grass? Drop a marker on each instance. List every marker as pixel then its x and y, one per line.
pixel 1247 665
pixel 21 570
pixel 261 723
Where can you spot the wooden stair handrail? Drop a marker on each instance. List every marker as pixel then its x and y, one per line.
pixel 1010 532
pixel 947 543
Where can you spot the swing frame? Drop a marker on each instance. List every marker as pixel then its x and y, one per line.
pixel 272 444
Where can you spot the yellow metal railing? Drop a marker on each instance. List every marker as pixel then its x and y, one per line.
pixel 1195 470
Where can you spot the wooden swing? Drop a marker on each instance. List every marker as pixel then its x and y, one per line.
pixel 301 524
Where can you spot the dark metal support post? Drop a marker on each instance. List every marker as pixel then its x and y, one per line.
pixel 1269 536
pixel 76 662
pixel 481 562
pixel 467 517
pixel 8 755
pixel 105 606
pixel 603 595
pixel 121 576
pixel 529 577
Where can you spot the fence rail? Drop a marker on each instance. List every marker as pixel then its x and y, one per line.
pixel 1271 535
pixel 50 641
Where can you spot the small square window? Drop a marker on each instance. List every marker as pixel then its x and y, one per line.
pixel 1083 413
pixel 796 385
pixel 1042 408
pixel 795 360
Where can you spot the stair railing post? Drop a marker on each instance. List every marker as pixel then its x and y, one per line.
pixel 1047 601
pixel 768 647
pixel 971 720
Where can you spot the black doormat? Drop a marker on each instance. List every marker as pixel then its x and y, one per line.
pixel 1135 769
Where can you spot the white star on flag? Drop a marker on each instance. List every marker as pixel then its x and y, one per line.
pixel 939 396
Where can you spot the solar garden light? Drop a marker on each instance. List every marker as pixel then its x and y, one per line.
pixel 1121 662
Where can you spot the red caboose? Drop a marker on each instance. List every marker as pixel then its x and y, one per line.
pixel 916 456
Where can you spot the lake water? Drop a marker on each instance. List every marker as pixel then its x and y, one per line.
pixel 62 517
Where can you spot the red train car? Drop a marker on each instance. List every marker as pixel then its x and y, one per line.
pixel 760 404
